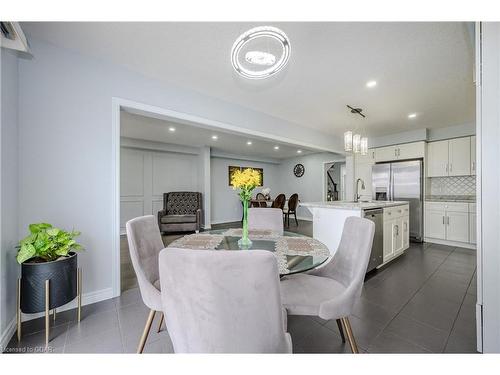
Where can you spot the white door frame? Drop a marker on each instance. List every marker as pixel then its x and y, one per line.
pixel 324 175
pixel 143 109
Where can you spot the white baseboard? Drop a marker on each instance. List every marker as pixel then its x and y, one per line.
pixel 450 243
pixel 87 299
pixel 7 334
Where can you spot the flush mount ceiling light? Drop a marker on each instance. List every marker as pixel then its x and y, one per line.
pixel 171 129
pixel 214 137
pixel 371 84
pixel 299 151
pixel 412 115
pixel 276 147
pixel 260 52
pixel 249 143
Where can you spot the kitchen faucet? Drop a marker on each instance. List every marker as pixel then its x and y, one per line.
pixel 357 188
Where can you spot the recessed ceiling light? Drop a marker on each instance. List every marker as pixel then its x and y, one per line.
pixel 214 137
pixel 276 147
pixel 371 84
pixel 249 143
pixel 171 129
pixel 299 151
pixel 412 115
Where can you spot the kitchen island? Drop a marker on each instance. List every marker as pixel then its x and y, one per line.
pixel 391 220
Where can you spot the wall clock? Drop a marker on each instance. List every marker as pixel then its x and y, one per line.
pixel 299 170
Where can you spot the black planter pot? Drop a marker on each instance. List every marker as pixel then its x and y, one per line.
pixel 62 274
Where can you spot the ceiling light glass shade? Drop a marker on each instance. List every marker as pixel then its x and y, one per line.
pixel 348 141
pixel 364 146
pixel 260 58
pixel 260 52
pixel 356 143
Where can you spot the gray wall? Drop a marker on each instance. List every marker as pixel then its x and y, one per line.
pixel 225 203
pixel 65 144
pixel 9 269
pixel 310 186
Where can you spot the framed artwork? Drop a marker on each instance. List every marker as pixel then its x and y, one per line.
pixel 261 173
pixel 233 168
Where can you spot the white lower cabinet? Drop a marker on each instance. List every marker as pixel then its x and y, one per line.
pixel 435 224
pixel 457 226
pixel 396 232
pixel 472 228
pixel 406 231
pixel 450 221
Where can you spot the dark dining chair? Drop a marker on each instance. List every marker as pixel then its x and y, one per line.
pixel 263 198
pixel 279 201
pixel 293 202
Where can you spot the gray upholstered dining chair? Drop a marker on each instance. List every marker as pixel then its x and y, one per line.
pixel 331 291
pixel 145 244
pixel 223 301
pixel 265 218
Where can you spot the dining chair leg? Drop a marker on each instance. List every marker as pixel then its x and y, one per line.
pixel 350 335
pixel 295 215
pixel 161 322
pixel 341 330
pixel 145 333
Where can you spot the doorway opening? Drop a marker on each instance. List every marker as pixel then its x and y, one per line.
pixel 335 180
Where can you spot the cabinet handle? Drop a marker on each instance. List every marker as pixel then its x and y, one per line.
pixel 473 166
pixel 446 167
pixel 443 221
pixel 395 152
pixel 448 220
pixel 451 167
pixel 397 230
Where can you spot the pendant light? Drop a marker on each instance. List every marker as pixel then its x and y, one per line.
pixel 364 146
pixel 348 141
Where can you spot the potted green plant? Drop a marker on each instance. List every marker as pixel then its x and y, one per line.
pixel 47 253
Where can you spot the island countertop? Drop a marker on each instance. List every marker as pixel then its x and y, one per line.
pixel 349 205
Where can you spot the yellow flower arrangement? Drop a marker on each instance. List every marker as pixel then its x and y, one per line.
pixel 245 180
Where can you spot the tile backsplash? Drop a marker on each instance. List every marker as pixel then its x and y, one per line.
pixel 459 185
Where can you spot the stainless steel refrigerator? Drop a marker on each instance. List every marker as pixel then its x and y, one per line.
pixel 402 181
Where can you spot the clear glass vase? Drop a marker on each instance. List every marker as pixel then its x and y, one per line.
pixel 244 242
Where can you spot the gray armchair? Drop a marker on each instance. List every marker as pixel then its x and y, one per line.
pixel 181 212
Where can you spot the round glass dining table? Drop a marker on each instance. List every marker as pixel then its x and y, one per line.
pixel 294 252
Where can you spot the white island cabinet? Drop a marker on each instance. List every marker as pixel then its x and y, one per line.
pixel 329 218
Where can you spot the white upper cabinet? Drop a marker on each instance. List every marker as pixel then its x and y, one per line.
pixel 473 155
pixel 411 150
pixel 386 153
pixel 459 157
pixel 405 151
pixel 450 157
pixel 437 159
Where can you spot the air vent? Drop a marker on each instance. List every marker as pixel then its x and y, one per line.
pixel 12 37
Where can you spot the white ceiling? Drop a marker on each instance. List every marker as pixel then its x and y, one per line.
pixel 152 129
pixel 420 67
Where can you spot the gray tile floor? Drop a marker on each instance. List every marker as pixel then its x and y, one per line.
pixel 422 302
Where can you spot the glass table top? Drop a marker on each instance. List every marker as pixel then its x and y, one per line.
pixel 294 252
